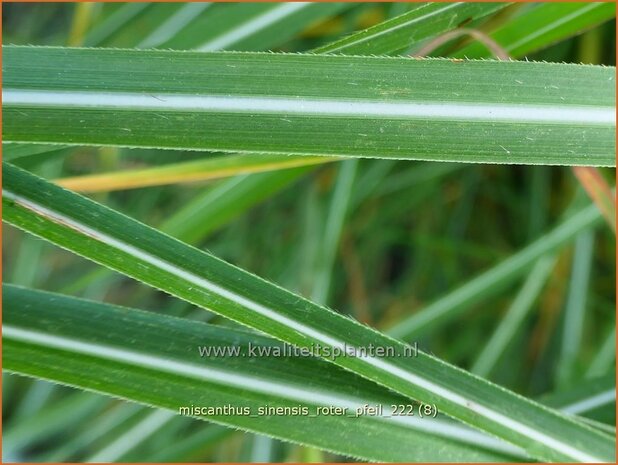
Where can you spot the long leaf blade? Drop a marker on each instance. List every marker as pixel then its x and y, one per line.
pixel 130 247
pixel 476 111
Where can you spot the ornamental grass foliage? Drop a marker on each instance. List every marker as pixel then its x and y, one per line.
pixel 309 232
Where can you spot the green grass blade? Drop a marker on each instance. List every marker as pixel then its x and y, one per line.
pixel 493 280
pixel 543 25
pixel 514 318
pixel 118 367
pixel 335 219
pixel 575 310
pixel 123 244
pixel 531 113
pixel 397 35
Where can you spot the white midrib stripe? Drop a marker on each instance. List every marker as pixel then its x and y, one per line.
pixel 524 113
pixel 590 403
pixel 313 333
pixel 391 29
pixel 246 29
pixel 255 384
